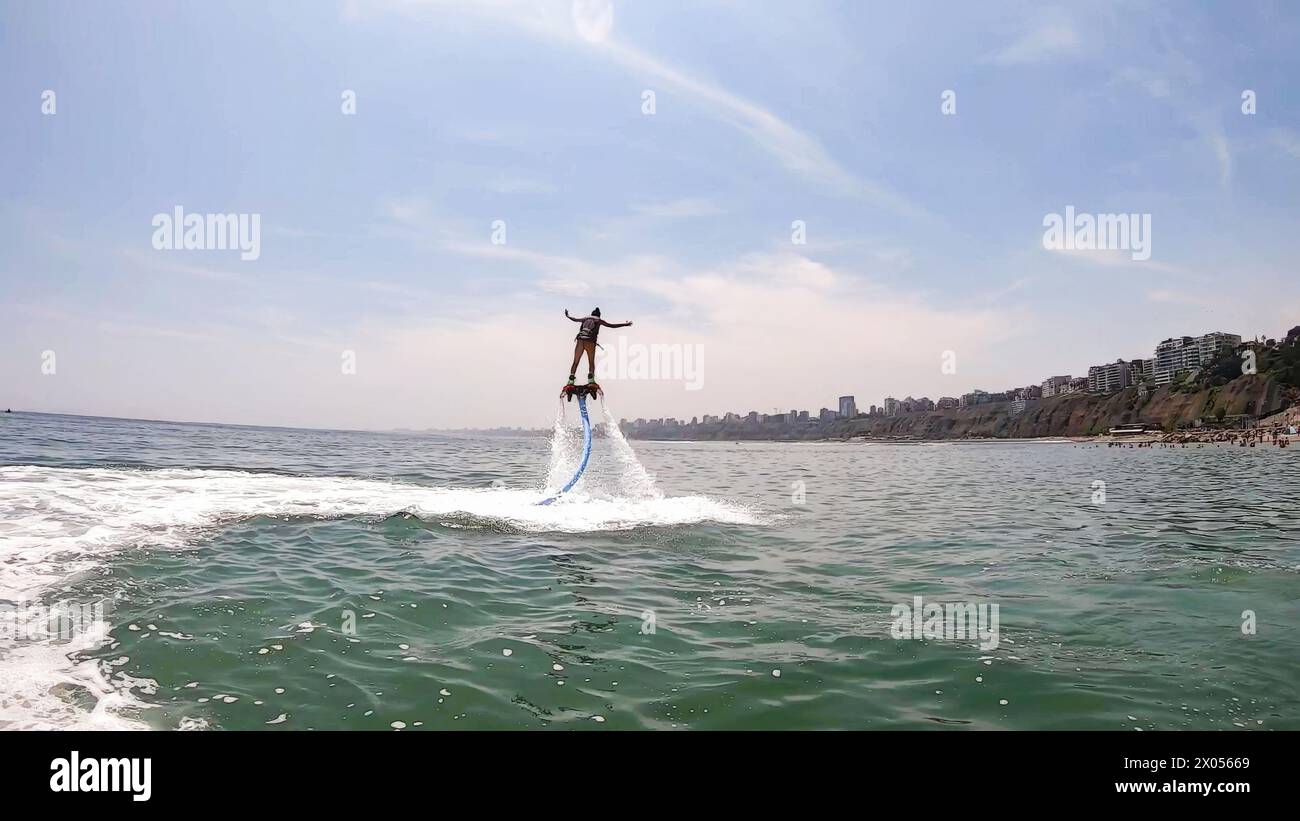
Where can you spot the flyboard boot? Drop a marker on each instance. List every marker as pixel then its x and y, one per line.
pixel 591 389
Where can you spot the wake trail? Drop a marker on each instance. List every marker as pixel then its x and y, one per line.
pixel 59 522
pixel 55 522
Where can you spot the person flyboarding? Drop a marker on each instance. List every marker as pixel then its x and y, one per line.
pixel 585 342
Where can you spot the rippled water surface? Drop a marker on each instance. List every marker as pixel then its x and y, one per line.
pixel 292 579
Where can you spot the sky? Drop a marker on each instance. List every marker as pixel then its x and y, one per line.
pixel 799 200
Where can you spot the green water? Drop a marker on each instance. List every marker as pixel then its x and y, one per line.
pixel 373 581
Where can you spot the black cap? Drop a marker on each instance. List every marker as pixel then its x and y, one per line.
pixel 595 312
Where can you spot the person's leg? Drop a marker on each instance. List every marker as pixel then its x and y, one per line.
pixel 577 357
pixel 591 362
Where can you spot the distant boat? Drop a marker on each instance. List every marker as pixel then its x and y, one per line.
pixel 1128 430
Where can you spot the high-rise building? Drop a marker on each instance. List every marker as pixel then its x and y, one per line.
pixel 1052 385
pixel 1144 369
pixel 1173 356
pixel 1210 344
pixel 975 397
pixel 1188 353
pixel 848 407
pixel 1110 378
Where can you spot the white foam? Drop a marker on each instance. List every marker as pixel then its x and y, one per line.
pixel 37 677
pixel 633 479
pixel 58 522
pixel 613 474
pixel 566 450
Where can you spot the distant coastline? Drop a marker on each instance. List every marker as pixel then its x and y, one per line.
pixel 1213 382
pixel 1243 403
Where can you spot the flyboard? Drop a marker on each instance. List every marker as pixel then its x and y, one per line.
pixel 581 392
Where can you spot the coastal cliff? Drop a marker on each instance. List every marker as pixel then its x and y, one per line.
pixel 1216 395
pixel 1077 414
pixel 1081 414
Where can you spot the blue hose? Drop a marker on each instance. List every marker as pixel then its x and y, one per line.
pixel 586 451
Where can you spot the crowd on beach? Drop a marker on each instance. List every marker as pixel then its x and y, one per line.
pixel 1242 438
pixel 1280 430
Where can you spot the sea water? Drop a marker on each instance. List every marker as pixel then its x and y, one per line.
pixel 258 578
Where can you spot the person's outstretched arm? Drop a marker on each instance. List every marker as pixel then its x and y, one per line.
pixel 574 318
pixel 615 324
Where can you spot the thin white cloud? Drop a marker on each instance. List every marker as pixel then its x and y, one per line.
pixel 1006 291
pixel 179 262
pixel 1172 297
pixel 520 185
pixel 162 332
pixel 564 268
pixel 1210 128
pixel 1286 140
pixel 1152 83
pixel 797 150
pixel 34 310
pixel 565 287
pixel 1048 41
pixel 1110 258
pixel 394 289
pixel 1207 122
pixel 686 207
pixel 298 233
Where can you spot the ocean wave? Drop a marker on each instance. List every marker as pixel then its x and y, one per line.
pixel 59 522
pixel 71 512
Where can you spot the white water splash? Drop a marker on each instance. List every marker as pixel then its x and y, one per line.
pixel 37 677
pixel 635 481
pixel 59 522
pixel 613 474
pixel 566 450
pixel 62 520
